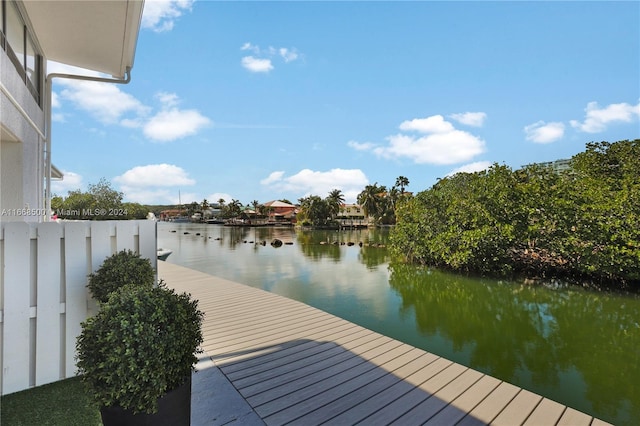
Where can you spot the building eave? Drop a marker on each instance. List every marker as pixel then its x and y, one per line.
pixel 97 35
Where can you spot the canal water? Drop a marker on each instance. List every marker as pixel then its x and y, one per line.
pixel 575 346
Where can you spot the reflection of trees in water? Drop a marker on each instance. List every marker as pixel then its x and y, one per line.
pixel 514 329
pixel 318 244
pixel 372 257
pixel 232 236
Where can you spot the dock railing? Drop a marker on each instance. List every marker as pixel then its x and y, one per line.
pixel 44 269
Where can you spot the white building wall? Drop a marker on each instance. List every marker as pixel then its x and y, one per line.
pixel 21 149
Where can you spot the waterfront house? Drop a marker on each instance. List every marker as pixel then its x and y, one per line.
pixel 281 212
pixel 44 264
pixel 352 216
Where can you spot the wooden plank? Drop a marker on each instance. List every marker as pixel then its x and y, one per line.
pixel 548 412
pixel 311 370
pixel 16 297
pixel 303 401
pixel 519 409
pixel 345 333
pixel 307 356
pixel 460 406
pixel 48 321
pixel 429 405
pixel 492 405
pixel 349 402
pixel 287 353
pixel 599 422
pixel 312 384
pixel 317 334
pixel 385 397
pixel 76 294
pixel 261 341
pixel 572 417
pixel 440 399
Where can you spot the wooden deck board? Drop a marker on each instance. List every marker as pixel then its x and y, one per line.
pixel 296 364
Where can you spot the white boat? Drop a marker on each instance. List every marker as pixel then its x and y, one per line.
pixel 164 253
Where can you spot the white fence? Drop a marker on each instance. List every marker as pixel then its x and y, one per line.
pixel 43 294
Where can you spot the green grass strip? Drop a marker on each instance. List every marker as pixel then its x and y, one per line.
pixel 63 403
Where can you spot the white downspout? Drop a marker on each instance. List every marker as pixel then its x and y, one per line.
pixel 47 146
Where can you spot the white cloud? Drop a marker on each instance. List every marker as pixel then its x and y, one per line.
pixel 471 168
pixel 213 198
pixel 160 15
pixel 154 175
pixel 288 54
pixel 70 182
pixel 107 103
pixel 361 146
pixel 167 99
pixel 433 124
pixel 251 47
pixel 55 100
pixel 597 119
pixel 308 182
pixel 272 178
pixel 104 101
pixel 172 124
pixel 475 119
pixel 262 59
pixel 442 144
pixel 440 148
pixel 541 132
pixel 257 65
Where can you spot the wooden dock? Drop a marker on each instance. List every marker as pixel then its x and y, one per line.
pixel 295 364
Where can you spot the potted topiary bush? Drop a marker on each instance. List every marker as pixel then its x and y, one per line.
pixel 136 355
pixel 124 267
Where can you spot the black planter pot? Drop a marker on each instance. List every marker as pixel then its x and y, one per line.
pixel 174 409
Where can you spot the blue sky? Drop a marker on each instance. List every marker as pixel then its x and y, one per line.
pixel 272 100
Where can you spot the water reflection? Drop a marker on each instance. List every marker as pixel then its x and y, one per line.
pixel 577 347
pixel 562 343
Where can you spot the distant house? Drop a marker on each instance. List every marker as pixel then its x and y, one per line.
pixel 166 215
pixel 557 166
pixel 351 215
pixel 278 211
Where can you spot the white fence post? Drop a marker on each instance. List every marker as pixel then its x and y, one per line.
pixel 16 281
pixel 44 270
pixel 48 333
pixel 77 268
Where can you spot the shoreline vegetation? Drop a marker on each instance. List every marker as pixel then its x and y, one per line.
pixel 578 225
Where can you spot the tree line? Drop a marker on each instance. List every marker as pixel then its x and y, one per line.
pixel 581 223
pixel 99 202
pixel 377 202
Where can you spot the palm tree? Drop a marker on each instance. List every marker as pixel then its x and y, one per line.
pixel 334 201
pixel 402 182
pixel 371 201
pixel 204 206
pixel 234 208
pixel 255 204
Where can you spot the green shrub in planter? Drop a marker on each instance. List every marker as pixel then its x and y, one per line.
pixel 140 345
pixel 124 267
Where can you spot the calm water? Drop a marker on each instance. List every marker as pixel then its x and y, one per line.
pixel 574 346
